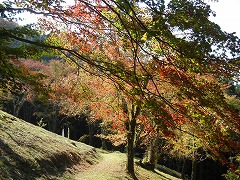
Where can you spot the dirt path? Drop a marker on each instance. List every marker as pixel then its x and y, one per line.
pixel 112 166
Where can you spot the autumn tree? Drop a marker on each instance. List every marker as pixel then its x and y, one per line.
pixel 143 46
pixel 17 83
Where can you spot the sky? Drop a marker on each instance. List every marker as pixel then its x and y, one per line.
pixel 227 15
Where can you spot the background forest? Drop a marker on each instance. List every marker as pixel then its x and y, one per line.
pixel 156 80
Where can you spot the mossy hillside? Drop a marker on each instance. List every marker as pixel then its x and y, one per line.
pixel 31 152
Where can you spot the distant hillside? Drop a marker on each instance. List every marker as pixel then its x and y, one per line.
pixel 30 152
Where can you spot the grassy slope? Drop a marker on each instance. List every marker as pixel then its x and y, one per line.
pixel 30 152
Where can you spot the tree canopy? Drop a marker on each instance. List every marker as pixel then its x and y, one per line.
pixel 168 58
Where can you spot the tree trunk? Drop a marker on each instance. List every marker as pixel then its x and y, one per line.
pixel 68 133
pixel 63 131
pixel 131 148
pixel 194 169
pixel 133 111
pixel 52 124
pixel 17 104
pixel 91 128
pixel 104 144
pixel 149 159
pixel 183 168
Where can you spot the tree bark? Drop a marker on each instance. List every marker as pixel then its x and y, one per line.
pixel 194 169
pixel 133 111
pixel 17 104
pixel 131 148
pixel 63 131
pixel 68 133
pixel 131 127
pixel 150 157
pixel 90 128
pixel 183 168
pixel 52 124
pixel 104 144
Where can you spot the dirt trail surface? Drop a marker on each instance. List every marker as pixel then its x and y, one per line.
pixel 112 166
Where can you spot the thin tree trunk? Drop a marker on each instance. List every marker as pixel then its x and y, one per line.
pixel 90 134
pixel 131 148
pixel 52 124
pixel 149 160
pixel 68 134
pixel 151 153
pixel 17 104
pixel 133 111
pixel 183 168
pixel 194 169
pixel 104 145
pixel 63 131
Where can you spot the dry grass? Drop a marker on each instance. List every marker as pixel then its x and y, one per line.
pixel 30 152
